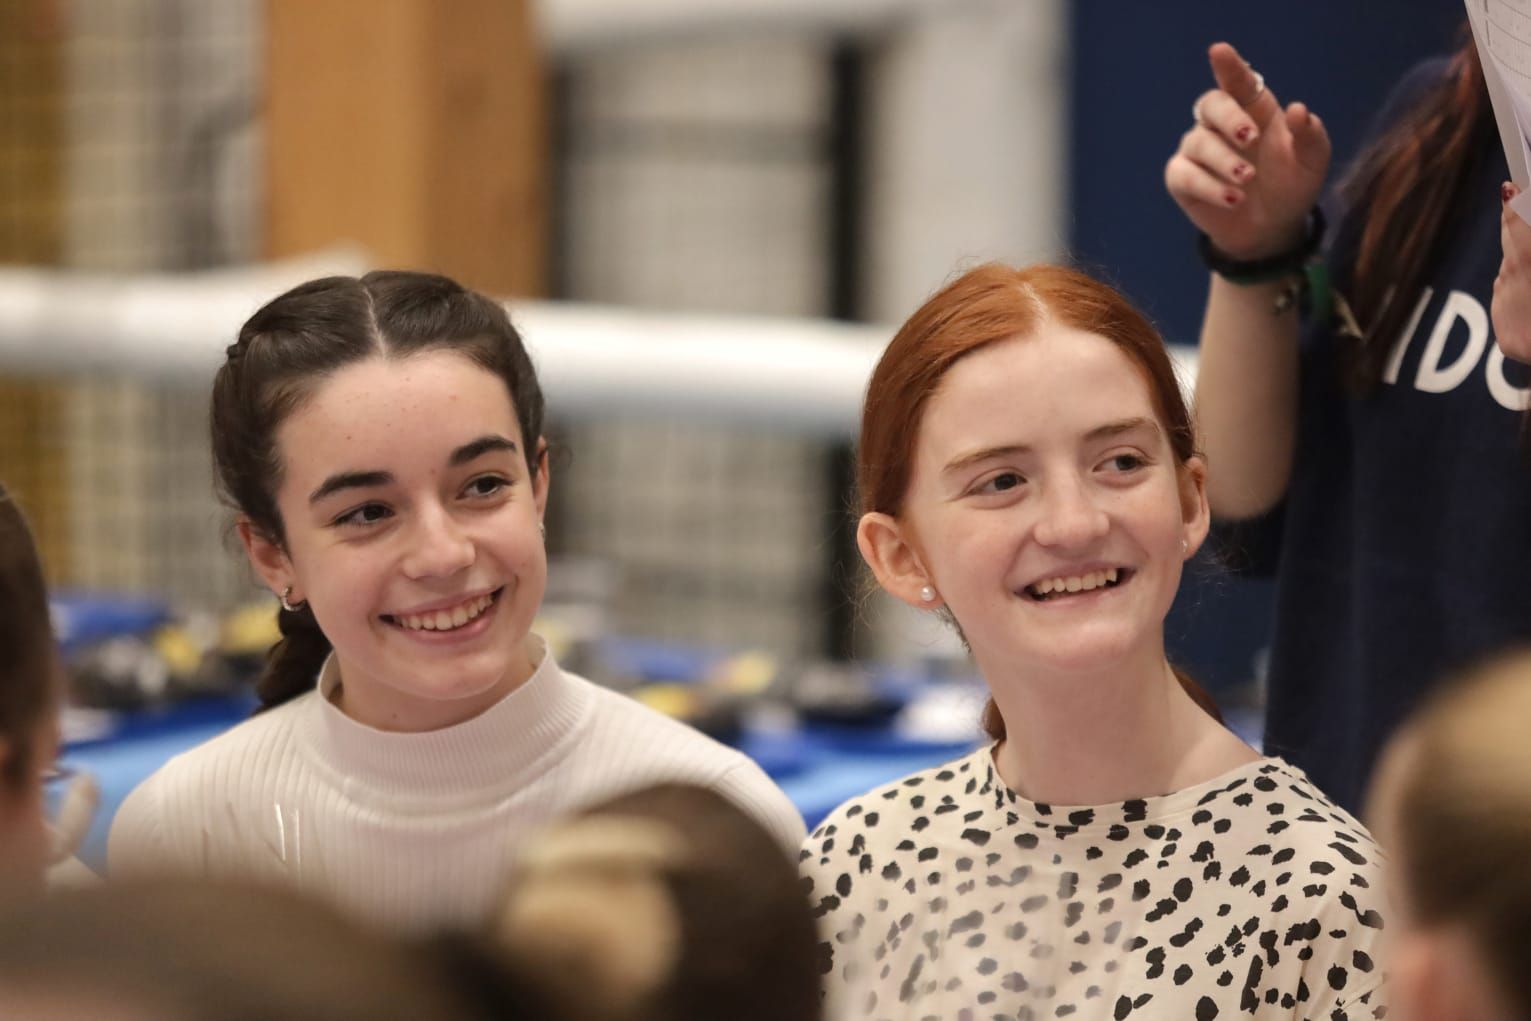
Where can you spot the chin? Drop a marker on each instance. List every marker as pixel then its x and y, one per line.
pixel 1090 654
pixel 462 684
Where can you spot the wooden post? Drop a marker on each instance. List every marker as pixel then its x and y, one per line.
pixel 33 457
pixel 414 127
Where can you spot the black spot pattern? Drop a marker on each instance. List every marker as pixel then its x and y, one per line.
pixel 945 895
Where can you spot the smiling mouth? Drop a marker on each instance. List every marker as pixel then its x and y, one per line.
pixel 1067 586
pixel 446 619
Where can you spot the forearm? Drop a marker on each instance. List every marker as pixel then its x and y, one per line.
pixel 1246 397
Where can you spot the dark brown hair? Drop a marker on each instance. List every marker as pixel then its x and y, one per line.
pixel 29 669
pixel 983 306
pixel 292 345
pixel 1460 776
pixel 1408 181
pixel 667 904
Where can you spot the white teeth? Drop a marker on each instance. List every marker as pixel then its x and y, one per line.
pixel 446 620
pixel 1078 583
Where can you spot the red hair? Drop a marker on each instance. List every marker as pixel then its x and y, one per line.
pixel 986 305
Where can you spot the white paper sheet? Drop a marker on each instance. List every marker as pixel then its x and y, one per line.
pixel 1502 31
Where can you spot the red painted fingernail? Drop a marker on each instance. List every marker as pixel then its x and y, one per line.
pixel 1506 192
pixel 1241 171
pixel 1244 133
pixel 1231 197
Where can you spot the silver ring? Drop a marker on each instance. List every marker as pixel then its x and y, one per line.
pixel 1259 87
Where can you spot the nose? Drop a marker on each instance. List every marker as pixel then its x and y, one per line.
pixel 1071 519
pixel 439 546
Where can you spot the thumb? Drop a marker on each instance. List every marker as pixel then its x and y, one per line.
pixel 1310 139
pixel 1235 77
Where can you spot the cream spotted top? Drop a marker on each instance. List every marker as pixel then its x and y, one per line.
pixel 947 896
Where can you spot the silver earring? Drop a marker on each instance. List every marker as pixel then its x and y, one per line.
pixel 1185 546
pixel 288 606
pixel 927 593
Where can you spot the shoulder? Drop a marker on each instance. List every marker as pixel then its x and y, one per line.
pixel 1417 82
pixel 1302 816
pixel 1321 875
pixel 886 816
pixel 1411 89
pixel 243 749
pixel 627 745
pixel 1274 811
pixel 147 828
pixel 628 730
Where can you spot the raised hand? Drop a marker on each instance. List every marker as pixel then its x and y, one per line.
pixel 1249 169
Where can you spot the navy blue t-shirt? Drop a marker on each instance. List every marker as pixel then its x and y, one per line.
pixel 1403 548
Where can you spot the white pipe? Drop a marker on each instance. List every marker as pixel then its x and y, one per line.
pixel 571 25
pixel 777 375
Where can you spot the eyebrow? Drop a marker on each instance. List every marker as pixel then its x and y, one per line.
pixel 1100 432
pixel 478 448
pixel 464 454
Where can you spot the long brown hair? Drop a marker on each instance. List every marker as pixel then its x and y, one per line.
pixel 1408 181
pixel 1460 778
pixel 985 305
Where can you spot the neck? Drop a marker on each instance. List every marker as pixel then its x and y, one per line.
pixel 388 709
pixel 1115 734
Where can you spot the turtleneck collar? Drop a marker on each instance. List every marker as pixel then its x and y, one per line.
pixel 498 750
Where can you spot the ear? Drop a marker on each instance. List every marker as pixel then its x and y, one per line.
pixel 1194 510
pixel 541 478
pixel 266 556
pixel 896 563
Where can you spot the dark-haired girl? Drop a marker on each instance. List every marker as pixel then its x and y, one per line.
pixel 1028 470
pixel 381 441
pixel 29 696
pixel 1371 455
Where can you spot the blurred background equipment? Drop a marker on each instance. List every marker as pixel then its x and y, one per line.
pixel 696 211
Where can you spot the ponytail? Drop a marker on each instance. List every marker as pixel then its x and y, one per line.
pixel 994 723
pixel 293 663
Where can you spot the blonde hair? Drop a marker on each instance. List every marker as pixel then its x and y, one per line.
pixel 668 903
pixel 1460 780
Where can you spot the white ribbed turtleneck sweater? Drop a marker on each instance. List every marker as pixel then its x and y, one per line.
pixel 415 830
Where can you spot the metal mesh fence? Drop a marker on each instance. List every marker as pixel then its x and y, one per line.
pixel 694 175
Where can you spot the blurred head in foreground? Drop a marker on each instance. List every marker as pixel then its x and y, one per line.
pixel 1452 804
pixel 668 903
pixel 168 950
